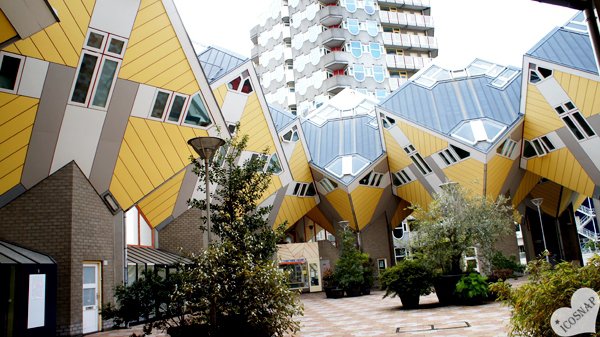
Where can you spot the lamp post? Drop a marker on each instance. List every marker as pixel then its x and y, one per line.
pixel 537 202
pixel 206 147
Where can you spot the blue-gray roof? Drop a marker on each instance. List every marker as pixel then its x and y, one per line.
pixel 217 62
pixel 569 46
pixel 341 137
pixel 281 118
pixel 446 103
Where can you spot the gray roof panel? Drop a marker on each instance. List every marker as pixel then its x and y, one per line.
pixel 11 254
pixel 218 62
pixel 281 118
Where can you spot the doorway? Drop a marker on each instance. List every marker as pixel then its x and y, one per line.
pixel 91 297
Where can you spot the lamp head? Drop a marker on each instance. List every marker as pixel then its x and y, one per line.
pixel 206 147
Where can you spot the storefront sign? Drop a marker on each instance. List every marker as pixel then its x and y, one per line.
pixel 580 317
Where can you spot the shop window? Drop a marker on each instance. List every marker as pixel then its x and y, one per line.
pixel 574 121
pixel 99 64
pixel 11 67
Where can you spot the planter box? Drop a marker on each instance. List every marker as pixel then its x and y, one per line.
pixel 334 292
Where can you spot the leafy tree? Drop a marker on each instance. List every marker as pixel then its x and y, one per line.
pixel 352 266
pixel 456 220
pixel 234 286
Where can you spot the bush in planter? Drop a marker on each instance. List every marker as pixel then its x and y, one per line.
pixel 349 268
pixel 408 279
pixel 368 278
pixel 330 285
pixel 472 289
pixel 452 223
pixel 547 289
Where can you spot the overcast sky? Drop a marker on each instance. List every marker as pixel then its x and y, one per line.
pixel 499 31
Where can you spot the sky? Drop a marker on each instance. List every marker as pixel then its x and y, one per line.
pixel 499 31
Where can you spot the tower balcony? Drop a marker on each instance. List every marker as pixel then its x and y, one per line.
pixel 409 42
pixel 254 34
pixel 407 4
pixel 406 21
pixel 406 62
pixel 333 37
pixel 335 84
pixel 336 60
pixel 331 15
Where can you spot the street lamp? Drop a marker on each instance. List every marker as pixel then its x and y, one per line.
pixel 206 147
pixel 537 202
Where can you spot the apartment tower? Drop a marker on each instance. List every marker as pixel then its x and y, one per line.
pixel 306 51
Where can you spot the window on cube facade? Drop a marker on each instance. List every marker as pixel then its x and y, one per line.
pixel 291 135
pixel 241 83
pixel 99 65
pixel 417 160
pixel 138 231
pixel 575 121
pixel 11 66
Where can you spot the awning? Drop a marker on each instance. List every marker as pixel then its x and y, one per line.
pixel 151 256
pixel 11 254
pixel 293 261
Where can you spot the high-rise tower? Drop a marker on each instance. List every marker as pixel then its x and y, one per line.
pixel 307 51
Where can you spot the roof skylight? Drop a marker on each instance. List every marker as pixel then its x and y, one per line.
pixel 347 165
pixel 480 130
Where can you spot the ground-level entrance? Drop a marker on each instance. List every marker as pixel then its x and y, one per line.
pixel 91 297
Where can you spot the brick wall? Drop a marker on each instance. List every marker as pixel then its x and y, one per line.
pixel 64 217
pixel 183 233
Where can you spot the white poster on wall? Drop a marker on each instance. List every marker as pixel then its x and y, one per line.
pixel 37 301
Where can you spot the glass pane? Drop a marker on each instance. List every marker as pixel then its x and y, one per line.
pixel 105 82
pixel 116 46
pixel 145 233
pixel 95 40
pixel 369 7
pixel 159 104
pixel 314 274
pixel 274 164
pixel 351 6
pixel 359 72
pixel 197 113
pixel 375 50
pixel 372 28
pixel 176 108
pixel 584 125
pixel 131 274
pixel 356 48
pixel 378 74
pixel 84 78
pixel 573 128
pixel 353 27
pixel 89 296
pixel 89 275
pixel 336 167
pixel 9 71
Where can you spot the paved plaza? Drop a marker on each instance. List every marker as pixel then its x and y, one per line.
pixel 373 316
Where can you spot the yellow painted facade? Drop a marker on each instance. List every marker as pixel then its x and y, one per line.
pixel 62 41
pixel 158 205
pixel 528 182
pixel 415 193
pixel 540 117
pixel 402 211
pixel 151 153
pixel 274 186
pixel 364 201
pixel 426 143
pixel 293 208
pixel 556 197
pixel 154 55
pixel 299 165
pixel 316 215
pixel 497 170
pixel 254 124
pixel 17 114
pixel 562 167
pixel 340 200
pixel 584 93
pixel 469 173
pixel 220 94
pixel 7 31
pixel 397 158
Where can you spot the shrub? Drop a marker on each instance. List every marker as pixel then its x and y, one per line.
pixel 472 286
pixel 350 267
pixel 546 290
pixel 407 277
pixel 500 261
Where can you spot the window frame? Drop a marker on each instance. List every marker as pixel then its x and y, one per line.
pixel 418 160
pixel 567 111
pixel 22 59
pixel 401 178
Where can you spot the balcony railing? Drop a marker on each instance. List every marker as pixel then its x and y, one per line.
pixel 396 82
pixel 412 21
pixel 406 62
pixel 331 15
pixel 335 84
pixel 408 4
pixel 408 41
pixel 333 37
pixel 336 60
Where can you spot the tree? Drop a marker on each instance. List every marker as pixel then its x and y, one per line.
pixel 234 287
pixel 352 266
pixel 456 221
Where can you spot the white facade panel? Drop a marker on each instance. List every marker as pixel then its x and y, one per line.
pixel 107 18
pixel 143 101
pixel 33 77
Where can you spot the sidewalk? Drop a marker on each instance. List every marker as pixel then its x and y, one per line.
pixel 373 316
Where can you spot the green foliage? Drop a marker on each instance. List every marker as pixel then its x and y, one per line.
pixel 455 221
pixel 472 286
pixel 329 279
pixel 499 261
pixel 546 290
pixel 351 267
pixel 234 286
pixel 407 277
pixel 140 300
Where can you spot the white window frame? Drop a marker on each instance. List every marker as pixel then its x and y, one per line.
pixel 183 111
pixel 165 109
pixel 102 54
pixel 327 185
pixel 187 108
pixel 570 113
pixel 403 177
pixel 293 131
pixel 507 149
pixel 374 179
pixel 19 71
pixel 416 158
pixel 301 189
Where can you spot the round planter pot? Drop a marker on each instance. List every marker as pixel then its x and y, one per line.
pixel 444 288
pixel 409 301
